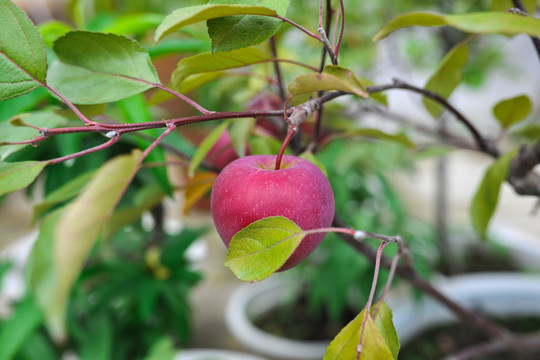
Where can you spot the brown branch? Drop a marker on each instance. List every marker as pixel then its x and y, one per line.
pixel 484 144
pixel 407 272
pixel 277 70
pixel 535 40
pixel 523 343
pixel 521 175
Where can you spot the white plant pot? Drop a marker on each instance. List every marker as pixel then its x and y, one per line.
pixel 496 294
pixel 214 354
pixel 252 299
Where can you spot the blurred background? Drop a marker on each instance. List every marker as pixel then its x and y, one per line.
pixel 135 301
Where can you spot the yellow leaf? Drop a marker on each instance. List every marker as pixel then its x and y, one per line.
pixel 196 188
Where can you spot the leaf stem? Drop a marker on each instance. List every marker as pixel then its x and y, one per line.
pixel 73 108
pixel 105 145
pixel 184 98
pixel 315 36
pixel 371 294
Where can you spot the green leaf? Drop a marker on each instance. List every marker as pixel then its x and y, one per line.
pixel 10 108
pixel 52 30
pixel 240 131
pixel 18 328
pixel 98 342
pixel 477 23
pixel 198 80
pixel 205 147
pixel 38 347
pixel 262 247
pixel 193 14
pixel 332 78
pixel 23 60
pixel 487 196
pixel 378 134
pixel 211 62
pixel 63 193
pixel 175 246
pixel 264 145
pixel 503 5
pixel 529 132
pixel 385 324
pixel 133 24
pixel 162 349
pixel 18 175
pixel 13 131
pixel 116 68
pixel 309 156
pixel 176 46
pixel 511 111
pixel 136 110
pixel 240 31
pixel 145 199
pixel 409 19
pixel 447 77
pixel 67 235
pixel 375 343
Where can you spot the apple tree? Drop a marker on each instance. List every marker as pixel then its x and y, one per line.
pixel 83 117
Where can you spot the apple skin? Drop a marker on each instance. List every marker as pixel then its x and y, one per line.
pixel 249 189
pixel 222 153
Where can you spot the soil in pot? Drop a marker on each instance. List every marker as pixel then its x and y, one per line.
pixel 441 341
pixel 296 321
pixel 479 257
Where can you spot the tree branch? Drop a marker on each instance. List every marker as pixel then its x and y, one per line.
pixel 520 175
pixel 407 272
pixel 484 144
pixel 535 40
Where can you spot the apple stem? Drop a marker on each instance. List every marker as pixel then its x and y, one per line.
pixel 291 131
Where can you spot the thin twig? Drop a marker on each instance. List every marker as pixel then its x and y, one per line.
pixel 277 70
pixel 321 13
pixel 407 272
pixel 319 113
pixel 114 139
pixel 485 145
pixel 309 33
pixel 342 27
pixel 327 45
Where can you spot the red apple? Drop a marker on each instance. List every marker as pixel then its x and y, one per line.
pixel 249 189
pixel 222 153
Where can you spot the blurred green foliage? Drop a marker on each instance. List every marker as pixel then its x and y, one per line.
pixel 130 296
